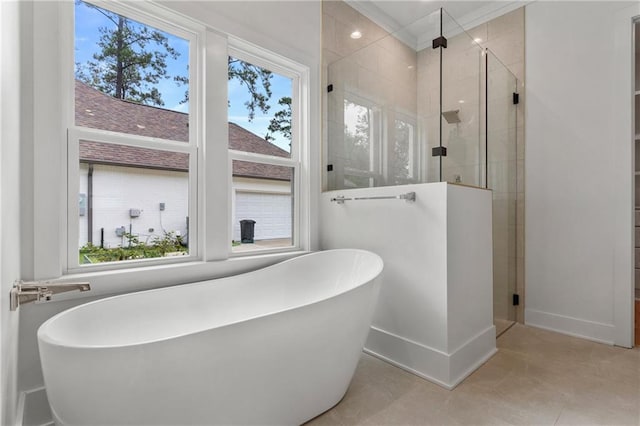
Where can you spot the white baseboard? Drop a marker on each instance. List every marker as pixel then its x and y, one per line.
pixel 590 330
pixel 446 370
pixel 470 356
pixel 33 408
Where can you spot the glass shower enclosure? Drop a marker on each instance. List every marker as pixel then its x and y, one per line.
pixel 423 104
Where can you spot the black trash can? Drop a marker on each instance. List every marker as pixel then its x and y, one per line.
pixel 246 230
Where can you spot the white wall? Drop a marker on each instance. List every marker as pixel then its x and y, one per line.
pixel 578 170
pixel 10 104
pixel 434 315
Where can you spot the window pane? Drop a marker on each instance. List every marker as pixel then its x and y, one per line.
pixel 402 159
pixel 134 203
pixel 263 206
pixel 130 77
pixel 259 109
pixel 357 136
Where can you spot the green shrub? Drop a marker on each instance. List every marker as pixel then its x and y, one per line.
pixel 134 249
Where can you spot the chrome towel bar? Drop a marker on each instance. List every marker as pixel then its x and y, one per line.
pixel 409 196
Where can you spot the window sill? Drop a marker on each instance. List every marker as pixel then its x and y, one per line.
pixel 112 282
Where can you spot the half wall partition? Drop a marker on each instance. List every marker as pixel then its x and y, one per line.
pixel 424 104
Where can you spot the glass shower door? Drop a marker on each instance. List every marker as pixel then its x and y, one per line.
pixel 501 176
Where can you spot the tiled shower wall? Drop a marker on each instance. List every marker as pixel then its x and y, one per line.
pixel 383 73
pixel 395 74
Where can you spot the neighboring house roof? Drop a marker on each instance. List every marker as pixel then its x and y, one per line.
pixel 97 110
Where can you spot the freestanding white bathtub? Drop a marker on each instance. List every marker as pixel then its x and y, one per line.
pixel 275 346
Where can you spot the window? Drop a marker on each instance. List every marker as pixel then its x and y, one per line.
pixel 263 149
pixel 361 144
pixel 133 145
pixel 151 179
pixel 402 158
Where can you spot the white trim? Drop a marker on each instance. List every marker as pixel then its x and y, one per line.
pixel 214 223
pixel 154 15
pixel 489 12
pixel 22 405
pixel 444 369
pixel 116 138
pixel 262 158
pixel 20 408
pixel 623 226
pixel 590 330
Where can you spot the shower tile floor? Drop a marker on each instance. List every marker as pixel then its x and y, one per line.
pixel 537 377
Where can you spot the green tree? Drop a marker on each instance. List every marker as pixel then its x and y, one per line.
pixel 281 121
pixel 131 61
pixel 357 141
pixel 257 80
pixel 400 162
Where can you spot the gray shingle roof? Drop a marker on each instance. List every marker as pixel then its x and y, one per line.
pixel 97 110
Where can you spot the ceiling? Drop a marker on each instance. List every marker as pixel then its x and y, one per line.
pixel 410 16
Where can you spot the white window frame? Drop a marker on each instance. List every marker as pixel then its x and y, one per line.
pixel 210 160
pixel 299 76
pixel 195 34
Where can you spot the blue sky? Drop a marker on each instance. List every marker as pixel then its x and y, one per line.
pixel 89 20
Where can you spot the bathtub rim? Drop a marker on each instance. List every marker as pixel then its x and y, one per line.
pixel 46 338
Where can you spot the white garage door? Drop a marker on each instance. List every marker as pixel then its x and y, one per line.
pixel 272 213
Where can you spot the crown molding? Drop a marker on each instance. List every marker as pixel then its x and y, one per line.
pixel 470 20
pixel 370 10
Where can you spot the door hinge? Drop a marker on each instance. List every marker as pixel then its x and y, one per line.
pixel 439 42
pixel 439 151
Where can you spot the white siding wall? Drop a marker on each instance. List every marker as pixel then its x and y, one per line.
pixel 271 212
pixel 117 189
pixel 266 202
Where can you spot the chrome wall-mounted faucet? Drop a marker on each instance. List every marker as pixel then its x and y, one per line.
pixel 37 291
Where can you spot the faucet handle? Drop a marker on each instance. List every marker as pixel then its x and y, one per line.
pixel 44 293
pixel 39 291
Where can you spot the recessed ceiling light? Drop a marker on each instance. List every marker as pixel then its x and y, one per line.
pixel 356 35
pixel 461 101
pixel 477 40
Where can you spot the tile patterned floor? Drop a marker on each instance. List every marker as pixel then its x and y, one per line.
pixel 536 378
